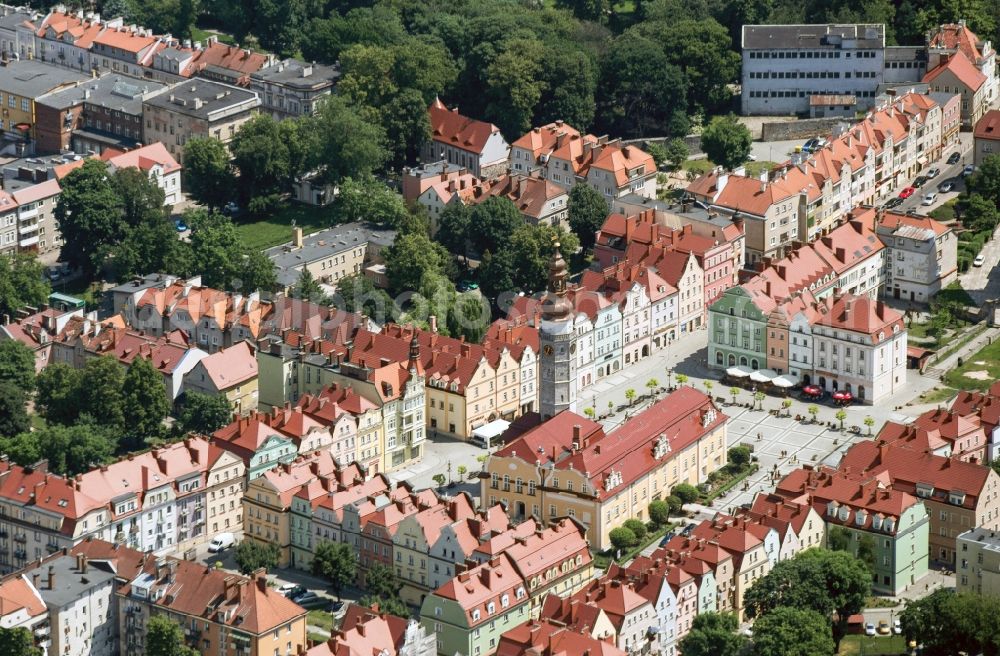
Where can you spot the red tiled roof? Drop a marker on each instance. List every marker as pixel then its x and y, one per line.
pixel 543 637
pixel 963 70
pixel 450 127
pixel 956 36
pixel 988 127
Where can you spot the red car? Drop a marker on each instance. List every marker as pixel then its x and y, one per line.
pixel 906 193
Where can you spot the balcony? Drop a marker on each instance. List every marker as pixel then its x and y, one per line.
pixel 27 228
pixel 28 242
pixel 20 537
pixel 28 214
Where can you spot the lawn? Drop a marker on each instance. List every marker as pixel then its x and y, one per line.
pixel 861 645
pixel 320 619
pixel 938 395
pixel 80 287
pixel 978 371
pixel 277 229
pixel 198 34
pixel 944 212
pixel 698 166
pixel 754 168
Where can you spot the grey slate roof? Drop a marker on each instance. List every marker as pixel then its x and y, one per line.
pixel 112 91
pixel 201 98
pixel 31 78
pixel 68 583
pixel 764 37
pixel 323 244
pixel 296 74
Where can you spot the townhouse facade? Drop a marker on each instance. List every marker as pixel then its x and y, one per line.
pixel 199 108
pixel 977 566
pixel 139 502
pixel 292 88
pixel 558 153
pixel 986 137
pixel 884 525
pixel 921 256
pixel 567 466
pixel 474 145
pixel 27 219
pixel 507 585
pixel 230 373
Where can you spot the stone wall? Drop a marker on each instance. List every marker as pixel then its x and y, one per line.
pixel 801 129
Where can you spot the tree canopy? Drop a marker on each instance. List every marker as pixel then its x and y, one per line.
pixel 948 623
pixel 726 141
pixel 164 637
pixel 251 555
pixel 587 210
pixel 790 631
pixel 21 283
pixel 713 634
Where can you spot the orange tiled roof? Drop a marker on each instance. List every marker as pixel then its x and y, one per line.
pixel 963 69
pixel 450 127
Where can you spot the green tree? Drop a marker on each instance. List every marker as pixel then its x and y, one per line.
pixel 630 396
pixel 726 141
pixel 381 581
pixel 492 223
pixel 69 450
pixel 469 318
pixel 739 456
pixel 979 213
pixel 570 76
pixel 682 379
pixel 658 152
pixel 758 399
pixel 866 551
pixel 203 413
pixel 251 555
pixel 90 217
pixel 813 410
pixel 357 293
pixel 587 210
pixel 453 228
pixel 587 10
pixel 411 257
pixel 164 637
pixel 675 504
pixel 713 634
pixel 734 392
pixel 788 631
pixel 336 562
pixel 56 399
pixel 348 145
pixel 208 174
pixel 439 479
pixel 307 288
pixel 145 404
pixel 622 538
pixel 637 528
pixel 13 410
pixel 99 393
pixel 407 127
pixel 256 272
pixel 659 512
pixel 869 422
pixel 946 623
pixel 391 605
pixel 17 365
pixel 703 51
pixel 821 580
pixel 686 492
pixel 18 642
pixel 786 404
pixel 497 273
pixel 677 152
pixel 841 416
pixel 220 254
pixel 367 199
pixel 986 180
pixel 515 84
pixel 22 283
pixel 261 155
pixel 838 538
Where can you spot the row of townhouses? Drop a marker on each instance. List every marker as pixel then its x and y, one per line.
pixel 837 70
pixel 808 196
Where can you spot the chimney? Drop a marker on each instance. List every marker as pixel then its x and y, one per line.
pixel 52 577
pixel 297 237
pixel 36 579
pixel 433 322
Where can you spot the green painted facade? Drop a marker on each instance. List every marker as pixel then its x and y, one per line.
pixel 736 331
pixel 455 636
pixel 275 449
pixel 900 559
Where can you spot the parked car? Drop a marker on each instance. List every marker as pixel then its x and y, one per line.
pixel 893 202
pixel 467 285
pixel 870 629
pixel 883 627
pixel 231 209
pixel 920 181
pixel 929 199
pixel 667 538
pixel 897 628
pixel 933 172
pixel 979 261
pixel 954 157
pixel 968 170
pixel 180 225
pixel 290 589
pixel 221 542
pixel 688 530
pixel 907 192
pixel 946 186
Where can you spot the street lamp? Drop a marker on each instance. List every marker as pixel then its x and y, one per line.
pixel 670 375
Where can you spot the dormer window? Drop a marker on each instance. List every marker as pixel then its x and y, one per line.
pixel 491 608
pixel 956 497
pixel 475 615
pixel 924 490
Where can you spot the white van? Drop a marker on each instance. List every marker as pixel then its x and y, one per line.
pixel 221 542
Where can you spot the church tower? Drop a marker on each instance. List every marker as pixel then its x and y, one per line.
pixel 557 340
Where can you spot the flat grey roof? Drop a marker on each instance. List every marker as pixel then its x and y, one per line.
pixel 989 539
pixel 114 91
pixel 12 20
pixel 201 98
pixel 905 53
pixel 68 582
pixel 763 37
pixel 432 169
pixel 298 74
pixel 322 244
pixel 30 78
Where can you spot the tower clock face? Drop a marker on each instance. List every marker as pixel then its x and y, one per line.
pixel 548 350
